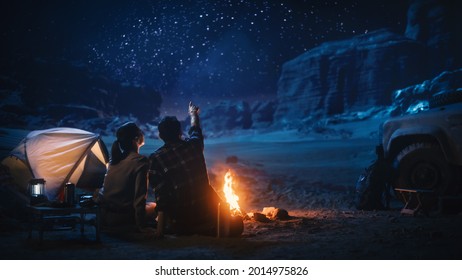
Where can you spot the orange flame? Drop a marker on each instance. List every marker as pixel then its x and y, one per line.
pixel 231 198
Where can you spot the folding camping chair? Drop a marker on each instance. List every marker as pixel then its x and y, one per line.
pixel 415 200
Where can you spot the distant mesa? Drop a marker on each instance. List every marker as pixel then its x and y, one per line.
pixel 340 80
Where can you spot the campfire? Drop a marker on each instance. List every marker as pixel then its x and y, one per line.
pixel 231 216
pixel 230 196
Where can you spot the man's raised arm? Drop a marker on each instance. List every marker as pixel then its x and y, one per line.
pixel 194 114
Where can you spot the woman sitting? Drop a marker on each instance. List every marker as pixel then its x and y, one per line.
pixel 124 192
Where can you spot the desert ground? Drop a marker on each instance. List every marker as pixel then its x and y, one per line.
pixel 311 176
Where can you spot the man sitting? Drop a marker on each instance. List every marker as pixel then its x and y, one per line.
pixel 186 203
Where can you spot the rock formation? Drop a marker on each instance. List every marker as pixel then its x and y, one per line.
pixel 343 76
pixel 227 115
pixel 364 71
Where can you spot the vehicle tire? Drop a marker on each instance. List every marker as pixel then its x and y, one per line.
pixel 422 165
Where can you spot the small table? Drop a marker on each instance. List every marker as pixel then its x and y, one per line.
pixel 46 218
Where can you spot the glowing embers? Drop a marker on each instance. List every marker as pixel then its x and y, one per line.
pixel 230 196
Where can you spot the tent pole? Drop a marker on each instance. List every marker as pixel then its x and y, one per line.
pixel 77 164
pixel 27 159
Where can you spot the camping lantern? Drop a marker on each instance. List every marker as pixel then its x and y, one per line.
pixel 37 187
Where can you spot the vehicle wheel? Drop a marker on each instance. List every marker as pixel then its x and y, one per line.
pixel 423 166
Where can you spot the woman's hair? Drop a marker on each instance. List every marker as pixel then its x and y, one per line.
pixel 124 143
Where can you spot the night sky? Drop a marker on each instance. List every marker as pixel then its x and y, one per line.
pixel 204 51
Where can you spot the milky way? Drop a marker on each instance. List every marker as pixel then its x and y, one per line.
pixel 202 50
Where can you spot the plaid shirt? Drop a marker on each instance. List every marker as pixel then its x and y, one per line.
pixel 179 177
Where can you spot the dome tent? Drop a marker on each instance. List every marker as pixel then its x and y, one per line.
pixel 59 155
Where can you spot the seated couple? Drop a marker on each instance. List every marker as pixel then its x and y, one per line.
pixel 185 203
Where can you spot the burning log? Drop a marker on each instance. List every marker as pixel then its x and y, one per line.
pixel 270 214
pixel 259 217
pixel 276 213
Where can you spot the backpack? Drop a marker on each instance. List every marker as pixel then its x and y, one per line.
pixel 372 188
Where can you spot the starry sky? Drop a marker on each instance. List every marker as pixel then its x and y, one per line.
pixel 205 51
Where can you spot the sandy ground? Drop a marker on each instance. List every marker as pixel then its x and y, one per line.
pixel 312 177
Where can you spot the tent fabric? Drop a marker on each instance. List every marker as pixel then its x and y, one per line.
pixel 60 155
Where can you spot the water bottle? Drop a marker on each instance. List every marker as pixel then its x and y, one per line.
pixel 69 194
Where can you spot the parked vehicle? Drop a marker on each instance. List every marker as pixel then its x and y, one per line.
pixel 425 149
pixel 421 151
